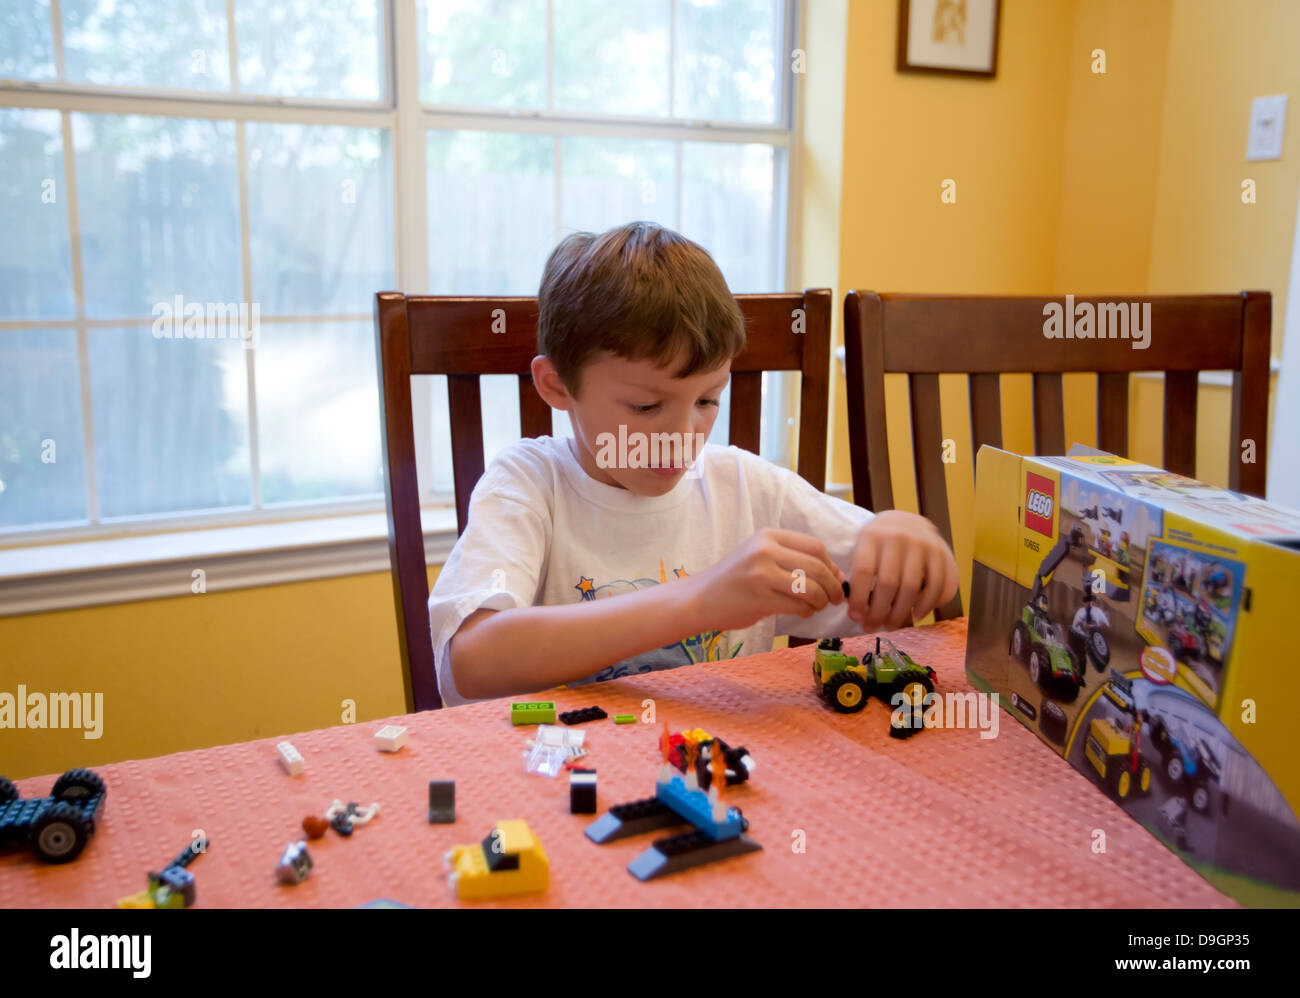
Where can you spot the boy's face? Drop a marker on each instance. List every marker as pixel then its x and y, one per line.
pixel 663 420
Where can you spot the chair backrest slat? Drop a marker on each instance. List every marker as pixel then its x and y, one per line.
pixel 968 334
pixel 465 338
pixel 984 336
pixel 927 458
pixel 1112 412
pixel 1180 422
pixel 465 413
pixel 534 413
pixel 986 409
pixel 746 410
pixel 1049 414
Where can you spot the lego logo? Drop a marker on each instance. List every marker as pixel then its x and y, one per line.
pixel 1039 503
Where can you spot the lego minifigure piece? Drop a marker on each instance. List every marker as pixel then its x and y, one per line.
pixel 173 888
pixel 342 817
pixel 582 791
pixel 442 802
pixel 390 738
pixel 315 827
pixel 141 900
pixel 583 716
pixel 541 712
pixel 625 719
pixel 295 865
pixel 290 758
pixel 362 816
pixel 509 860
pixel 845 586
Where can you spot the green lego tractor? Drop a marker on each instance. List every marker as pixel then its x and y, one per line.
pixel 846 683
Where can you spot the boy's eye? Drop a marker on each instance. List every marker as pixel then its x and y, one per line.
pixel 712 402
pixel 645 408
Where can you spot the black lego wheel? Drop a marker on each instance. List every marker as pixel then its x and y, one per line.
pixel 59 833
pixel 77 785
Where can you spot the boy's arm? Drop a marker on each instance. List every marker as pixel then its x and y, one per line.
pixel 535 647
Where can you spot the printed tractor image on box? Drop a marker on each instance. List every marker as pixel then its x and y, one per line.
pixel 1139 623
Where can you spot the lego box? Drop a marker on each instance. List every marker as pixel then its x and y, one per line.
pixel 1143 625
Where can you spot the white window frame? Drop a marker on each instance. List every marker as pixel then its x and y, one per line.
pixel 407 120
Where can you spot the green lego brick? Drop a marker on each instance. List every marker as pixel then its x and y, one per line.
pixel 625 719
pixel 539 712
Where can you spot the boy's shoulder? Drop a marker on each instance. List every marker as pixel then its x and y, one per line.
pixel 527 466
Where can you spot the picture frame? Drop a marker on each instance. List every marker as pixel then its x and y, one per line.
pixel 950 37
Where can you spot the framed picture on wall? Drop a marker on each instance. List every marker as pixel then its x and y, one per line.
pixel 948 36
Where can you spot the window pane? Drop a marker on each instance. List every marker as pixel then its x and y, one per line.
pixel 42 464
pixel 727 207
pixel 35 261
pixel 611 58
pixel 175 44
pixel 171 421
pixel 158 200
pixel 305 48
pixel 483 53
pixel 491 211
pixel 726 60
pixel 317 411
pixel 611 181
pixel 320 208
pixel 26 41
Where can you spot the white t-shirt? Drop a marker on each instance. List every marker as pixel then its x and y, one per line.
pixel 542 532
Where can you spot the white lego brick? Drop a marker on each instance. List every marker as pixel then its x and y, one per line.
pixel 290 758
pixel 390 738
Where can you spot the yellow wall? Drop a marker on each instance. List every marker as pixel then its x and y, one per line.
pixel 201 670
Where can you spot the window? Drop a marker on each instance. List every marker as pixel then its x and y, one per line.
pixel 201 198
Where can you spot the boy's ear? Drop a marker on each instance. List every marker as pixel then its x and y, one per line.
pixel 549 384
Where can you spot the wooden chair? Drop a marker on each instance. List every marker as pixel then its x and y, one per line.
pixel 458 337
pixel 982 337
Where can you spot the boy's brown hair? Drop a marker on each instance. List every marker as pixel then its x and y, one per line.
pixel 641 292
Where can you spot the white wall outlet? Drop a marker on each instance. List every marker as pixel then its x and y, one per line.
pixel 1267 121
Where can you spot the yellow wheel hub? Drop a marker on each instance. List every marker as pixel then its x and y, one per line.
pixel 849 695
pixel 1125 784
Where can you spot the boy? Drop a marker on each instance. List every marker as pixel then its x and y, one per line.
pixel 710 551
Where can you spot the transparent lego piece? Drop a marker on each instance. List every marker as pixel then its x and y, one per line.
pixel 551 746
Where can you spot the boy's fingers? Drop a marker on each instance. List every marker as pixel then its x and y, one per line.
pixel 865 560
pixel 811 546
pixel 820 584
pixel 909 585
pixel 886 585
pixel 936 578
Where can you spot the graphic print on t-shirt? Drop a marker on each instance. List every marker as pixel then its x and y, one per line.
pixel 707 646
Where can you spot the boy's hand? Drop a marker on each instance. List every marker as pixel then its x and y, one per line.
pixel 901 566
pixel 761 578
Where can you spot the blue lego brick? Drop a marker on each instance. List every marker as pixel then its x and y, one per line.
pixel 693 805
